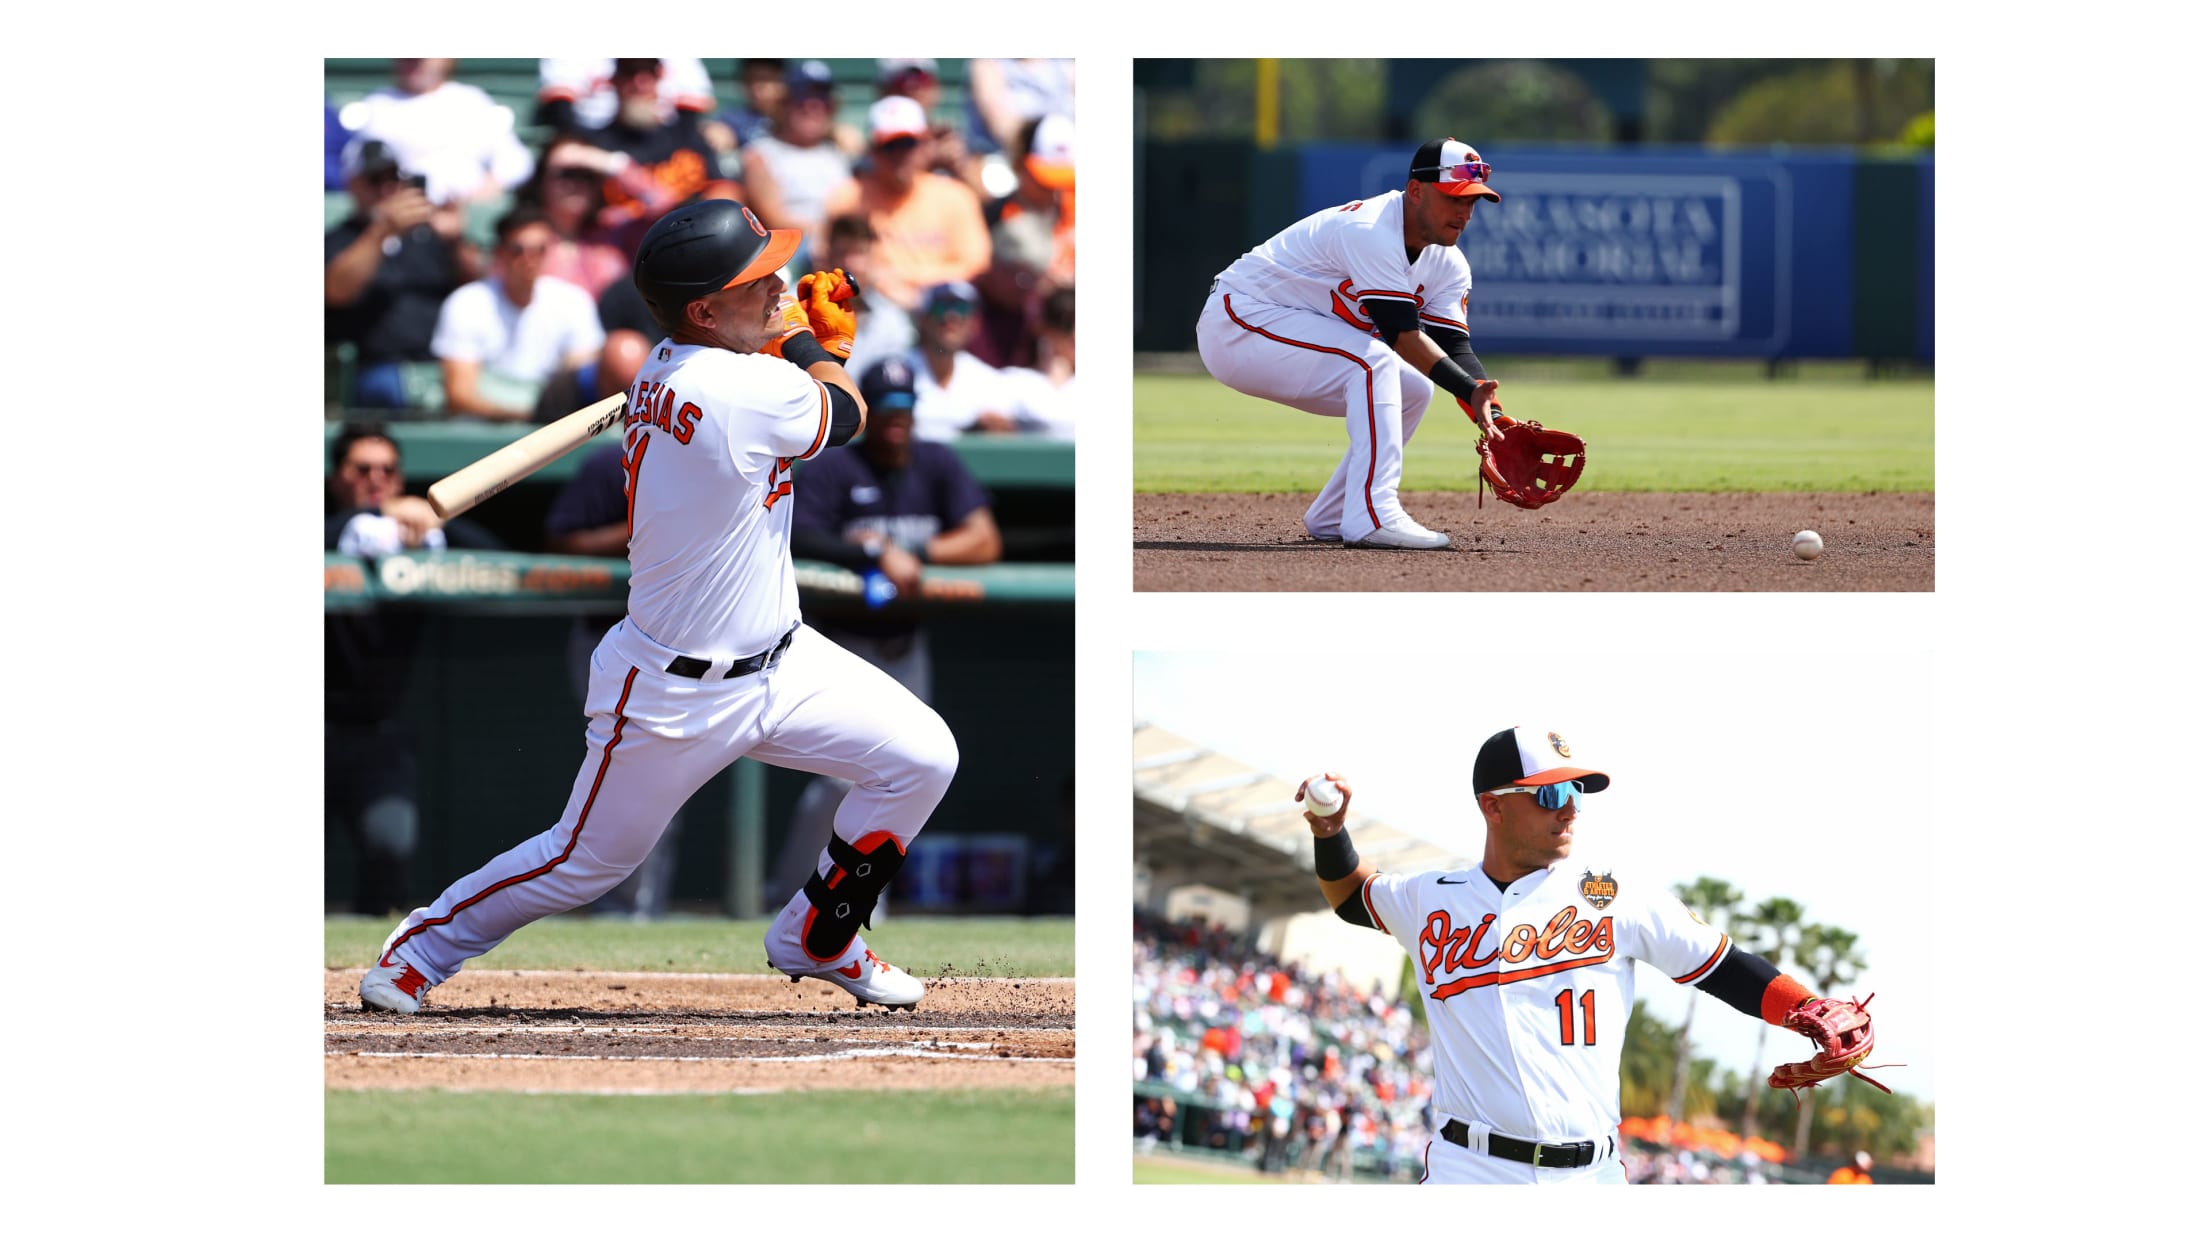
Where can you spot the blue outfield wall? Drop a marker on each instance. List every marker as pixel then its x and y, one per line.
pixel 1655 251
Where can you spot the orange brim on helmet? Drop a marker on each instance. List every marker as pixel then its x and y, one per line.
pixel 781 244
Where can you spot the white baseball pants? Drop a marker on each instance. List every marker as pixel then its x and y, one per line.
pixel 1322 365
pixel 654 739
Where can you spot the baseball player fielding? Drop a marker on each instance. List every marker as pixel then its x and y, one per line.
pixel 713 662
pixel 1526 966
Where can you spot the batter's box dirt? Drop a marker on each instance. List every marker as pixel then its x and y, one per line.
pixel 592 1032
pixel 1588 541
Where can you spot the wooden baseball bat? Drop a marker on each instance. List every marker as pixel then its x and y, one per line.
pixel 501 468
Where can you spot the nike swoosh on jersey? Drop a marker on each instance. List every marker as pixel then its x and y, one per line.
pixel 1452 881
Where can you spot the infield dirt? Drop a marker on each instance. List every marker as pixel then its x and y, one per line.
pixel 1599 541
pixel 639 1032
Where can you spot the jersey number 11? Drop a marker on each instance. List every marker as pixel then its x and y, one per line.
pixel 1586 1006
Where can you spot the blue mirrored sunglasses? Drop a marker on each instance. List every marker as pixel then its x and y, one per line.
pixel 1470 170
pixel 1550 797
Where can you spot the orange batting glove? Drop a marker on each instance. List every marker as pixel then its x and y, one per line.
pixel 789 321
pixel 826 298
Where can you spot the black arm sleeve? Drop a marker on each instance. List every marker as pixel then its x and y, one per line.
pixel 1739 981
pixel 1352 911
pixel 843 415
pixel 1458 346
pixel 1393 318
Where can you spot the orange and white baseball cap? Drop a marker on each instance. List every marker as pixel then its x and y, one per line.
pixel 896 116
pixel 1454 168
pixel 1050 152
pixel 1529 757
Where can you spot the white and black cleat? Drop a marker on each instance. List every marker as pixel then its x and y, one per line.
pixel 1403 533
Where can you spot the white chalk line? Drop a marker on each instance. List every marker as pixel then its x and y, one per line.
pixel 850 1055
pixel 497 972
pixel 415 1030
pixel 690 1039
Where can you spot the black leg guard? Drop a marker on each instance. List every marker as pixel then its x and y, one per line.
pixel 843 900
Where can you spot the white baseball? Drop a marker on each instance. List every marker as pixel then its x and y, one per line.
pixel 1321 797
pixel 1807 545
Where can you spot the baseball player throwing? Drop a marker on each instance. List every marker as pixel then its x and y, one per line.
pixel 1526 965
pixel 1348 313
pixel 712 662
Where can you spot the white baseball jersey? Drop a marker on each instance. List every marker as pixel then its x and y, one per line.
pixel 708 439
pixel 1333 259
pixel 1528 989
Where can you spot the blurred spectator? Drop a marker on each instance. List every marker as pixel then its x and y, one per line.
pixel 570 188
pixel 576 92
pixel 1857 1174
pixel 370 779
pixel 762 86
pixel 619 359
pixel 792 168
pixel 502 338
pixel 888 504
pixel 334 138
pixel 1006 94
pixel 1280 1058
pixel 885 330
pixel 621 308
pixel 590 517
pixel 927 229
pixel 1044 395
pixel 958 392
pixel 386 269
pixel 681 163
pixel 453 134
pixel 1031 242
pixel 948 153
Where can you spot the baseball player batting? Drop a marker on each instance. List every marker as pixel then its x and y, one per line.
pixel 1348 313
pixel 712 662
pixel 1526 965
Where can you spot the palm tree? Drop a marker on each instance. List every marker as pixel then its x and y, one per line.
pixel 1828 954
pixel 1714 902
pixel 1769 931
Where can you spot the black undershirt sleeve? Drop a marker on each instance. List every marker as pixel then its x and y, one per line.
pixel 1739 981
pixel 1458 345
pixel 1391 317
pixel 843 415
pixel 1352 910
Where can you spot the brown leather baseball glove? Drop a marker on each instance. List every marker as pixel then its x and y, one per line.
pixel 1528 464
pixel 1842 1032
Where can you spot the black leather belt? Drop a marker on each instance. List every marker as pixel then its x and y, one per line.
pixel 1541 1155
pixel 692 666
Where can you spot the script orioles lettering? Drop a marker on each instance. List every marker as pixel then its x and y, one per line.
pixel 1446 949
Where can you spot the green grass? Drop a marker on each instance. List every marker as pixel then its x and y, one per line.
pixel 1198 1171
pixel 990 947
pixel 821 1136
pixel 1194 434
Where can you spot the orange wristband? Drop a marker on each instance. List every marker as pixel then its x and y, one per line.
pixel 1780 996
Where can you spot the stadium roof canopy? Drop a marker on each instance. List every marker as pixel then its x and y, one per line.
pixel 1204 818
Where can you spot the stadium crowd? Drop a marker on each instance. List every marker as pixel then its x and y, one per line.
pixel 1303 1074
pixel 1241 1053
pixel 959 228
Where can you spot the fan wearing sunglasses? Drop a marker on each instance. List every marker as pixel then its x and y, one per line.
pixel 1525 963
pixel 1357 312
